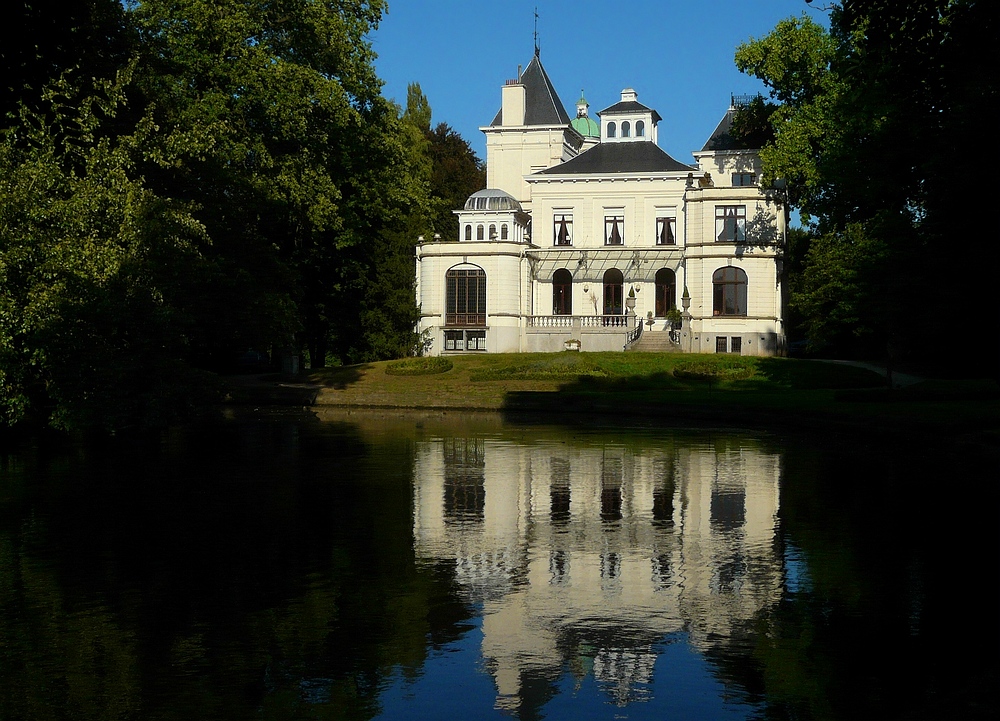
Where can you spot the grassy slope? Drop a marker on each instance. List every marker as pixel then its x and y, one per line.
pixel 740 390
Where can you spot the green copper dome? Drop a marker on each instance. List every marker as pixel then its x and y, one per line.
pixel 582 123
pixel 587 127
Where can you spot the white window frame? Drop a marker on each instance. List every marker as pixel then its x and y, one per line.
pixel 562 216
pixel 735 214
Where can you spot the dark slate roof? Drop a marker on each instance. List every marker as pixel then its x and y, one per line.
pixel 624 157
pixel 722 138
pixel 542 105
pixel 629 106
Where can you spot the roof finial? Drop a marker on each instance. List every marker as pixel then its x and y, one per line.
pixel 536 32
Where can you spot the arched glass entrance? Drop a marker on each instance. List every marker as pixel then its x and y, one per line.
pixel 666 284
pixel 614 282
pixel 562 292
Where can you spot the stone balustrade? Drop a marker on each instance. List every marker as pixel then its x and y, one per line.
pixel 598 323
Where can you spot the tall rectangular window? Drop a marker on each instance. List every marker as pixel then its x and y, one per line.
pixel 730 223
pixel 562 229
pixel 614 229
pixel 666 230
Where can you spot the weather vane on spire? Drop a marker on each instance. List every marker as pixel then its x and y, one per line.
pixel 536 32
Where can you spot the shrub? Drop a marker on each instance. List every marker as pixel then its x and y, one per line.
pixel 419 366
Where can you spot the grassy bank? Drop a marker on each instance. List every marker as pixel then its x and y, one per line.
pixel 712 388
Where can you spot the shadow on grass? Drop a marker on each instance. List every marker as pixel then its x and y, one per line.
pixel 340 377
pixel 703 380
pixel 589 393
pixel 806 375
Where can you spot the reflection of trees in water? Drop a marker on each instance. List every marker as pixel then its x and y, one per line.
pixel 254 570
pixel 253 573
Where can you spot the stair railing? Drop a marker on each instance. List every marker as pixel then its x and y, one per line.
pixel 633 336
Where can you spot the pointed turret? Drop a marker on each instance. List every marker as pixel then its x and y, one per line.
pixel 530 132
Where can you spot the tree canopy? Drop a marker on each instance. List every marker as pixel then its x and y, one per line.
pixel 872 118
pixel 186 181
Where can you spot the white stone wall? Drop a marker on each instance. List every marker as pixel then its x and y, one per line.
pixel 506 268
pixel 637 198
pixel 512 153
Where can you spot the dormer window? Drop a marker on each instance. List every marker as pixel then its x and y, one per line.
pixel 611 130
pixel 626 129
pixel 640 129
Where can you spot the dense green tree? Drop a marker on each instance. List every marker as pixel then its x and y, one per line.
pixel 387 314
pixel 98 274
pixel 272 122
pixel 184 181
pixel 443 171
pixel 39 41
pixel 872 117
pixel 455 171
pixel 418 109
pixel 457 174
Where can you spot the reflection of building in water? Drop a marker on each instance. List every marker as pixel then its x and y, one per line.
pixel 585 556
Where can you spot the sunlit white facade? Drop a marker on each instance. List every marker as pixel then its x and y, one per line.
pixel 589 233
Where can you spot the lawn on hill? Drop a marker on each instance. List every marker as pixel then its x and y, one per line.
pixel 714 387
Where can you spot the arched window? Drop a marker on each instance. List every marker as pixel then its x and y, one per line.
pixel 640 129
pixel 503 231
pixel 480 232
pixel 666 291
pixel 468 232
pixel 493 232
pixel 613 284
pixel 626 129
pixel 465 296
pixel 611 130
pixel 729 292
pixel 562 292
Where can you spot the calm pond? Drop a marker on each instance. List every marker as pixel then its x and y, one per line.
pixel 444 566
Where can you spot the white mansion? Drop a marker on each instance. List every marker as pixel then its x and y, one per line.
pixel 589 234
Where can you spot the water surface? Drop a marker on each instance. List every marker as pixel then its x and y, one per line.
pixel 364 565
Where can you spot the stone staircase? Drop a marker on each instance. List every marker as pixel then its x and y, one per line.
pixel 657 341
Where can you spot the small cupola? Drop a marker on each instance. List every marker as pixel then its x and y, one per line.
pixel 584 124
pixel 492 215
pixel 628 120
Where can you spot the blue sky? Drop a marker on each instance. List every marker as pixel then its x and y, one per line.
pixel 677 54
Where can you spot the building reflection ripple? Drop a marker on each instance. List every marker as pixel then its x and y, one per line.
pixel 585 556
